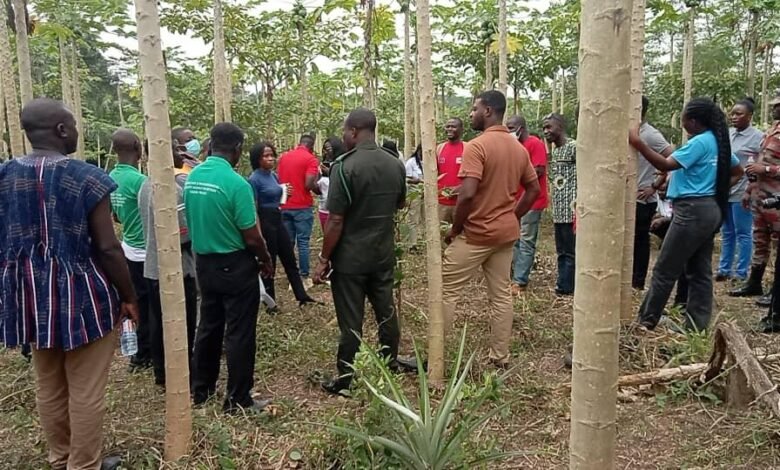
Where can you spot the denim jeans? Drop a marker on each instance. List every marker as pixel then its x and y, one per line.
pixel 564 246
pixel 525 248
pixel 687 248
pixel 737 231
pixel 299 223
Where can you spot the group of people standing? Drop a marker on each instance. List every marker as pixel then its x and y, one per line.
pixel 67 281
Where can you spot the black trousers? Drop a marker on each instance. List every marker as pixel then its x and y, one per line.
pixel 349 298
pixel 279 244
pixel 644 216
pixel 681 296
pixel 156 323
pixel 229 299
pixel 565 243
pixel 144 354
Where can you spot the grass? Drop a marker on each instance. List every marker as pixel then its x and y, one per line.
pixel 688 430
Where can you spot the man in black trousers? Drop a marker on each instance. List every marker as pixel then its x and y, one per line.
pixel 367 188
pixel 220 208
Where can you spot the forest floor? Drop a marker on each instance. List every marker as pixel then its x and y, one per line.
pixel 674 426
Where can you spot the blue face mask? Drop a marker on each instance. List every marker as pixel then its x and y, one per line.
pixel 193 147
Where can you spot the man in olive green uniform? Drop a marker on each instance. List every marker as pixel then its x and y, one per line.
pixel 220 208
pixel 367 188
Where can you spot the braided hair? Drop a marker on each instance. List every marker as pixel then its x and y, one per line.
pixel 709 115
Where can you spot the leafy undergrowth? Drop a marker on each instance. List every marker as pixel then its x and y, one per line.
pixel 677 426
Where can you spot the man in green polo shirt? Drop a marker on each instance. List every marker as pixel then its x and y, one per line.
pixel 220 209
pixel 368 187
pixel 124 204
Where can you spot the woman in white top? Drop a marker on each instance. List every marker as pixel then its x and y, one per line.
pixel 414 176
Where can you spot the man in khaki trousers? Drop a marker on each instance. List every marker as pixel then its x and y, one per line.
pixel 486 226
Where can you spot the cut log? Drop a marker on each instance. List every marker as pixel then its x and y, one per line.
pixel 729 345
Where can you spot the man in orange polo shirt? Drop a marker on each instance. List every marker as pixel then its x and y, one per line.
pixel 448 159
pixel 485 225
pixel 300 169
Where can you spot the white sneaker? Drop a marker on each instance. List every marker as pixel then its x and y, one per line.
pixel 307 283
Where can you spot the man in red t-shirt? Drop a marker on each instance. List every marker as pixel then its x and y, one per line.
pixel 525 248
pixel 299 169
pixel 448 157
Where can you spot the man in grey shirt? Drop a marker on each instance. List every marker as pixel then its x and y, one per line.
pixel 151 274
pixel 647 200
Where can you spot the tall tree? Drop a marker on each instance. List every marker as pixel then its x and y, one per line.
pixel 369 99
pixel 432 228
pixel 502 48
pixel 78 110
pixel 635 119
pixel 23 54
pixel 408 93
pixel 9 92
pixel 769 49
pixel 602 148
pixel 178 419
pixel 750 84
pixel 65 72
pixel 222 97
pixel 687 69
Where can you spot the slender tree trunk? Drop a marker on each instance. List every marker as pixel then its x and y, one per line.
pixel 269 116
pixel 539 108
pixel 9 91
pixel 119 104
pixel 65 71
pixel 227 99
pixel 562 85
pixel 220 66
pixel 768 54
pixel 635 119
pixel 178 419
pixel 554 92
pixel 688 62
pixel 488 68
pixel 77 109
pixel 23 56
pixel 503 52
pixel 516 100
pixel 432 229
pixel 3 144
pixel 417 119
pixel 750 86
pixel 671 52
pixel 601 144
pixel 444 103
pixel 368 75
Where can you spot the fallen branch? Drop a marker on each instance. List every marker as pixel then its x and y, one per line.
pixel 730 345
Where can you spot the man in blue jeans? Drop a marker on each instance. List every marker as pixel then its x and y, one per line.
pixel 525 248
pixel 299 170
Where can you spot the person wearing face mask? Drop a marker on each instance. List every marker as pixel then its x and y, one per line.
pixel 525 248
pixel 191 150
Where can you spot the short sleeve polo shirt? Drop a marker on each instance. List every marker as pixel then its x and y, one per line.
pixel 219 204
pixel 124 203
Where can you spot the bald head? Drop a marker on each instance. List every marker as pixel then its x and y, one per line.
pixel 50 125
pixel 127 146
pixel 359 127
pixel 517 125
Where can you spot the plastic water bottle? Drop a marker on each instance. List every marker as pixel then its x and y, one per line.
pixel 750 160
pixel 128 340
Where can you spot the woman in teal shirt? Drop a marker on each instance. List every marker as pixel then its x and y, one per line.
pixel 701 173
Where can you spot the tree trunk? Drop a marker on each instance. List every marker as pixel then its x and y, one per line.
pixel 178 419
pixel 416 90
pixel 515 100
pixel 635 119
pixel 9 91
pixel 23 56
pixel 220 66
pixel 502 50
pixel 227 99
pixel 488 68
pixel 432 228
pixel 554 91
pixel 78 112
pixel 750 86
pixel 119 104
pixel 601 143
pixel 688 63
pixel 562 85
pixel 3 145
pixel 269 115
pixel 768 54
pixel 65 80
pixel 671 52
pixel 368 74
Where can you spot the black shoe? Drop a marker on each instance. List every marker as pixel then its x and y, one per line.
pixel 561 293
pixel 307 301
pixel 765 300
pixel 770 324
pixel 273 311
pixel 139 366
pixel 406 365
pixel 337 387
pixel 257 407
pixel 751 288
pixel 720 277
pixel 111 463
